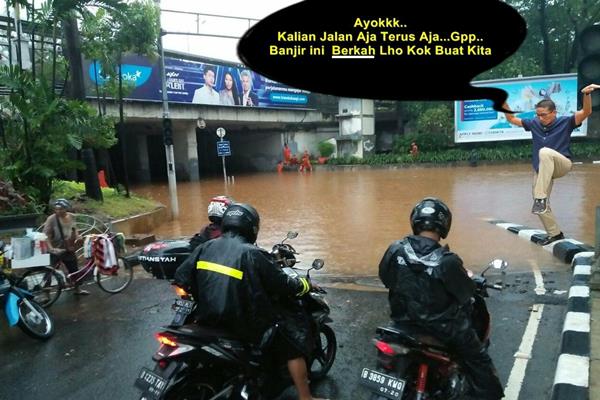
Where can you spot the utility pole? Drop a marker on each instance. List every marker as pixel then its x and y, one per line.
pixel 167 127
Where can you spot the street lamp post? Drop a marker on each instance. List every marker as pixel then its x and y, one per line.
pixel 167 125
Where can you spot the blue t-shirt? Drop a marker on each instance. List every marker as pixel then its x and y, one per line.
pixel 556 136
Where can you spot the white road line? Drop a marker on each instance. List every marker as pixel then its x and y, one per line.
pixel 539 279
pixel 517 374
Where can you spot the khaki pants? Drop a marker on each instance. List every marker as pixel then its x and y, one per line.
pixel 553 165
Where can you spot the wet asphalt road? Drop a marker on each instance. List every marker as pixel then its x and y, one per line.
pixel 102 340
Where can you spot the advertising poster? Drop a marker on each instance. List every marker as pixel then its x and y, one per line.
pixel 477 121
pixel 197 82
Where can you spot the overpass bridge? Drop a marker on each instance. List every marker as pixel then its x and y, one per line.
pixel 256 135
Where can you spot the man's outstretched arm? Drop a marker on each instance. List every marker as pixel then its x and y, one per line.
pixel 511 117
pixel 586 111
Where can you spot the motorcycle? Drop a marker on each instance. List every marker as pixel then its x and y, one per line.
pixel 206 363
pixel 162 258
pixel 21 309
pixel 414 365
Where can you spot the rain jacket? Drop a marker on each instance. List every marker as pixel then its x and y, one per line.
pixel 427 283
pixel 238 287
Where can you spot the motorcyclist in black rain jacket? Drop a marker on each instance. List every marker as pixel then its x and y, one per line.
pixel 238 286
pixel 429 289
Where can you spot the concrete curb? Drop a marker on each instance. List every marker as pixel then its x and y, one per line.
pixel 564 249
pixel 572 377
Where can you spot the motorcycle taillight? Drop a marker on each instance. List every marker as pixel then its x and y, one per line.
pixel 166 339
pixel 390 349
pixel 384 348
pixel 180 292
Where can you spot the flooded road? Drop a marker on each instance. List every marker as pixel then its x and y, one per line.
pixel 349 218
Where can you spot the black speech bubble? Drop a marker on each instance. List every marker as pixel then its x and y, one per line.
pixel 403 77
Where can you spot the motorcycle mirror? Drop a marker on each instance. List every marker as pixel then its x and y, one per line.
pixel 499 264
pixel 318 264
pixel 290 235
pixel 496 264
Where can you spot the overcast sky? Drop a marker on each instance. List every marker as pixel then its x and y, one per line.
pixel 220 48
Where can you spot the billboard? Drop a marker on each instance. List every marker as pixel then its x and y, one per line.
pixel 477 121
pixel 198 82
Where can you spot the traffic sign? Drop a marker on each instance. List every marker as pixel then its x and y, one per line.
pixel 221 132
pixel 223 148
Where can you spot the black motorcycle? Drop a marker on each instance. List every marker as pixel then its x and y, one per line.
pixel 412 365
pixel 195 362
pixel 162 257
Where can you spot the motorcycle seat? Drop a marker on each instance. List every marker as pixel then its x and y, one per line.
pixel 205 332
pixel 412 334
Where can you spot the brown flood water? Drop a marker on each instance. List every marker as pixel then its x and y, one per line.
pixel 349 218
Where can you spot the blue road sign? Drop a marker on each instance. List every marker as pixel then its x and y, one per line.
pixel 223 148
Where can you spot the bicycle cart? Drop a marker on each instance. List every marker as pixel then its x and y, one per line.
pixel 47 282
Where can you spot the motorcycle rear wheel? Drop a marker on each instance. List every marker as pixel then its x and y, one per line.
pixel 324 353
pixel 34 320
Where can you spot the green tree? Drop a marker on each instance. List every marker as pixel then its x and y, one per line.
pixel 37 130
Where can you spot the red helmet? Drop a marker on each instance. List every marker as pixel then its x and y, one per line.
pixel 217 207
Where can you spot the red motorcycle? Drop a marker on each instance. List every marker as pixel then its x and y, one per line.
pixel 412 365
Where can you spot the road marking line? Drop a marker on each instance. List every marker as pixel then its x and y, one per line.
pixel 572 370
pixel 517 374
pixel 539 279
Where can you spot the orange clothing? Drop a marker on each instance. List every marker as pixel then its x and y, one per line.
pixel 306 165
pixel 102 179
pixel 287 155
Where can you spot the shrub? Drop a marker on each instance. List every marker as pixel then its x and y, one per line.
pixel 326 149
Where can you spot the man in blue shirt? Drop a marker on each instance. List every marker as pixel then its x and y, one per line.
pixel 551 154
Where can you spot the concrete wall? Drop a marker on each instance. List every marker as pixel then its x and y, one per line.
pixel 191 112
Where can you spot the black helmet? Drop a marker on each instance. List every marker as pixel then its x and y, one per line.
pixel 431 214
pixel 243 219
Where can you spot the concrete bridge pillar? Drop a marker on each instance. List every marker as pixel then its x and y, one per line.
pixel 143 161
pixel 185 149
pixel 192 152
pixel 357 127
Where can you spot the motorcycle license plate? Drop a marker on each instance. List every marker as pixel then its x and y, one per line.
pixel 182 308
pixel 152 385
pixel 382 384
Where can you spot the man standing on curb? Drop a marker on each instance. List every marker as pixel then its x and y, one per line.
pixel 551 154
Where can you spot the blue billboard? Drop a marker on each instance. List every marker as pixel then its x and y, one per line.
pixel 199 82
pixel 477 121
